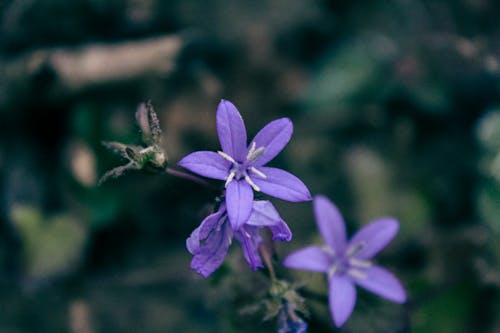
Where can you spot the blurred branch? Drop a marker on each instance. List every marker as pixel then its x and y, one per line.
pixel 63 72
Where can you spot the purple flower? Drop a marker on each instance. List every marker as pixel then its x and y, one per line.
pixel 349 262
pixel 243 167
pixel 210 242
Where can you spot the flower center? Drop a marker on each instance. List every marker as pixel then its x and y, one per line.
pixel 348 263
pixel 243 170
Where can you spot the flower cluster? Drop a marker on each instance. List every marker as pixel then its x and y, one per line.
pixel 242 168
pixel 240 216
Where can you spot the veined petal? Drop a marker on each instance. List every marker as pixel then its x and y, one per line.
pixel 265 215
pixel 330 224
pixel 342 298
pixel 373 237
pixel 383 283
pixel 203 231
pixel 231 131
pixel 311 258
pixel 281 184
pixel 206 163
pixel 239 201
pixel 210 255
pixel 273 137
pixel 250 241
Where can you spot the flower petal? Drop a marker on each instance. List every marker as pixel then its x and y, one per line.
pixel 289 321
pixel 330 224
pixel 206 163
pixel 250 241
pixel 265 215
pixel 231 131
pixel 273 137
pixel 210 255
pixel 311 258
pixel 203 231
pixel 373 237
pixel 342 298
pixel 281 184
pixel 239 201
pixel 383 283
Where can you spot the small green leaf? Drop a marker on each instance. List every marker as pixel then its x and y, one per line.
pixel 51 247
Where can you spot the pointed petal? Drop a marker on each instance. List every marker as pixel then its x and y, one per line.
pixel 330 224
pixel 265 215
pixel 342 298
pixel 373 237
pixel 231 131
pixel 210 255
pixel 273 137
pixel 239 201
pixel 250 241
pixel 206 163
pixel 202 232
pixel 281 184
pixel 311 258
pixel 383 283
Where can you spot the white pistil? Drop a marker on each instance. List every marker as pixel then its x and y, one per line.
pixel 359 263
pixel 357 274
pixel 250 181
pixel 258 172
pixel 229 178
pixel 227 157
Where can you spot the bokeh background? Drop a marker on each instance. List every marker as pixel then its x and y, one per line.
pixel 396 108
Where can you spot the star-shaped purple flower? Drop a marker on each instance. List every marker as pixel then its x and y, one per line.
pixel 243 167
pixel 349 262
pixel 210 242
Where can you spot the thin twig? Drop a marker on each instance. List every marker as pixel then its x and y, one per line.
pixel 188 176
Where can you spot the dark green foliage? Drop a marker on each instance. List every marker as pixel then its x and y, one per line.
pixel 395 112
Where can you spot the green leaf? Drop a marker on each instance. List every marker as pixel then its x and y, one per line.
pixel 52 246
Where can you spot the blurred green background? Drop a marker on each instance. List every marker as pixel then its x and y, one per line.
pixel 396 108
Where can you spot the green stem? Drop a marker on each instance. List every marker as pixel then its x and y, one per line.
pixel 188 176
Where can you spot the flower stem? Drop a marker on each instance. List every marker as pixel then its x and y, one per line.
pixel 267 259
pixel 187 176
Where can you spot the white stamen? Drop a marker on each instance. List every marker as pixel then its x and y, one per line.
pixel 332 271
pixel 258 172
pixel 247 234
pixel 357 274
pixel 250 181
pixel 227 157
pixel 229 178
pixel 328 250
pixel 251 151
pixel 359 263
